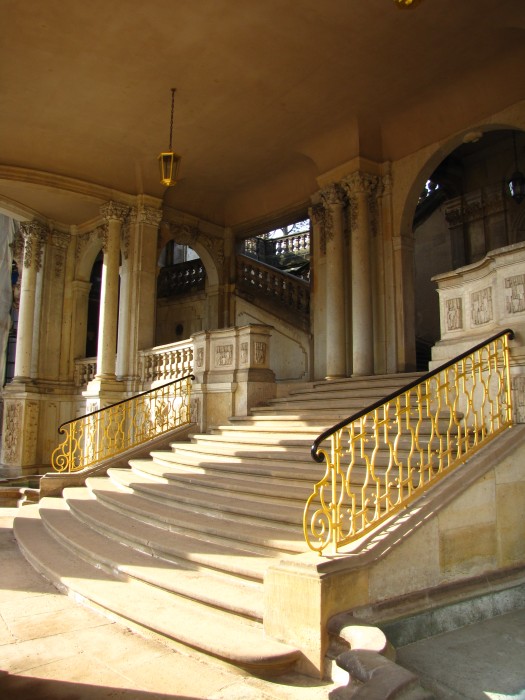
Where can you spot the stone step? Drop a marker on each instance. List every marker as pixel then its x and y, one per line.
pixel 175 528
pixel 257 487
pixel 249 438
pixel 270 453
pixel 382 381
pixel 196 463
pixel 200 495
pixel 215 632
pixel 194 529
pixel 194 582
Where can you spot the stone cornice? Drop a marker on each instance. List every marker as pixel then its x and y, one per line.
pixel 61 182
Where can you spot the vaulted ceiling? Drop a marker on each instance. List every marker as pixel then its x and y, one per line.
pixel 270 94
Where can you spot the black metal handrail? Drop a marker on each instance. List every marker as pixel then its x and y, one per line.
pixel 117 403
pixel 319 457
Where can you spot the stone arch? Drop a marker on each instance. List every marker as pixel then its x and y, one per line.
pixel 424 164
pixel 211 251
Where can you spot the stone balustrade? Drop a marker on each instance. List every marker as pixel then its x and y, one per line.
pixel 85 371
pixel 289 292
pixel 166 362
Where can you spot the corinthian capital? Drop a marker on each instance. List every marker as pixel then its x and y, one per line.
pixel 149 216
pixel 35 235
pixel 333 196
pixel 360 183
pixel 114 211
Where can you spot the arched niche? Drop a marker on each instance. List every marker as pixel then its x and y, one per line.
pixel 466 212
pixel 197 309
pixel 86 290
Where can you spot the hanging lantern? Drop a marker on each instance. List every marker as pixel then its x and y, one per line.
pixel 406 4
pixel 169 161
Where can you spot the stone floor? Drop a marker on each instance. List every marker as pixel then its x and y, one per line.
pixel 482 661
pixel 51 648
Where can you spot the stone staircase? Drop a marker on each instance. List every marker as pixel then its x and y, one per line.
pixel 179 543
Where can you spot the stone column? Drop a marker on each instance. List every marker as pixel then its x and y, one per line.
pixel 333 200
pixel 53 323
pixel 403 251
pixel 34 234
pixel 360 186
pixel 389 333
pixel 115 214
pixel 138 288
pixel 318 288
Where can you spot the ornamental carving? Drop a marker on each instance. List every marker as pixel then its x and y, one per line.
pixel 360 183
pixel 259 352
pixel 465 212
pixel 81 243
pixel 13 432
pixel 185 234
pixel 30 432
pixel 454 314
pixel 17 248
pixel 223 355
pixel 125 236
pixel 386 185
pixel 60 242
pixel 515 294
pixel 481 306
pixel 333 197
pixel 149 216
pixel 244 353
pixel 518 398
pixel 319 216
pixel 199 362
pixel 35 235
pixel 195 409
pixel 102 232
pixel 115 211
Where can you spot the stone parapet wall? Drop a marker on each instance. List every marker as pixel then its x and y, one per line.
pixel 479 300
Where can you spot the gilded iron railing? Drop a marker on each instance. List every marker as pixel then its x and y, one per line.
pixel 383 457
pixel 110 431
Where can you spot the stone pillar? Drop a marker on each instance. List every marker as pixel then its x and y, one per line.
pixel 333 200
pixel 360 187
pixel 232 374
pixel 115 215
pixel 34 234
pixel 403 250
pixel 67 358
pixel 389 337
pixel 53 323
pixel 318 285
pixel 138 284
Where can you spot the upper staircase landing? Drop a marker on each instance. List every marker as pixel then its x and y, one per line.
pixel 179 543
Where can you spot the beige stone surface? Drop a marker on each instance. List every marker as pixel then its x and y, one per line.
pixel 468 550
pixel 511 523
pixel 511 470
pixel 52 648
pixel 410 567
pixel 476 506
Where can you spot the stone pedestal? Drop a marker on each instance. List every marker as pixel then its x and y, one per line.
pixel 231 373
pixel 19 430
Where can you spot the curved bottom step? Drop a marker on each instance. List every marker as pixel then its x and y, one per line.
pixel 212 632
